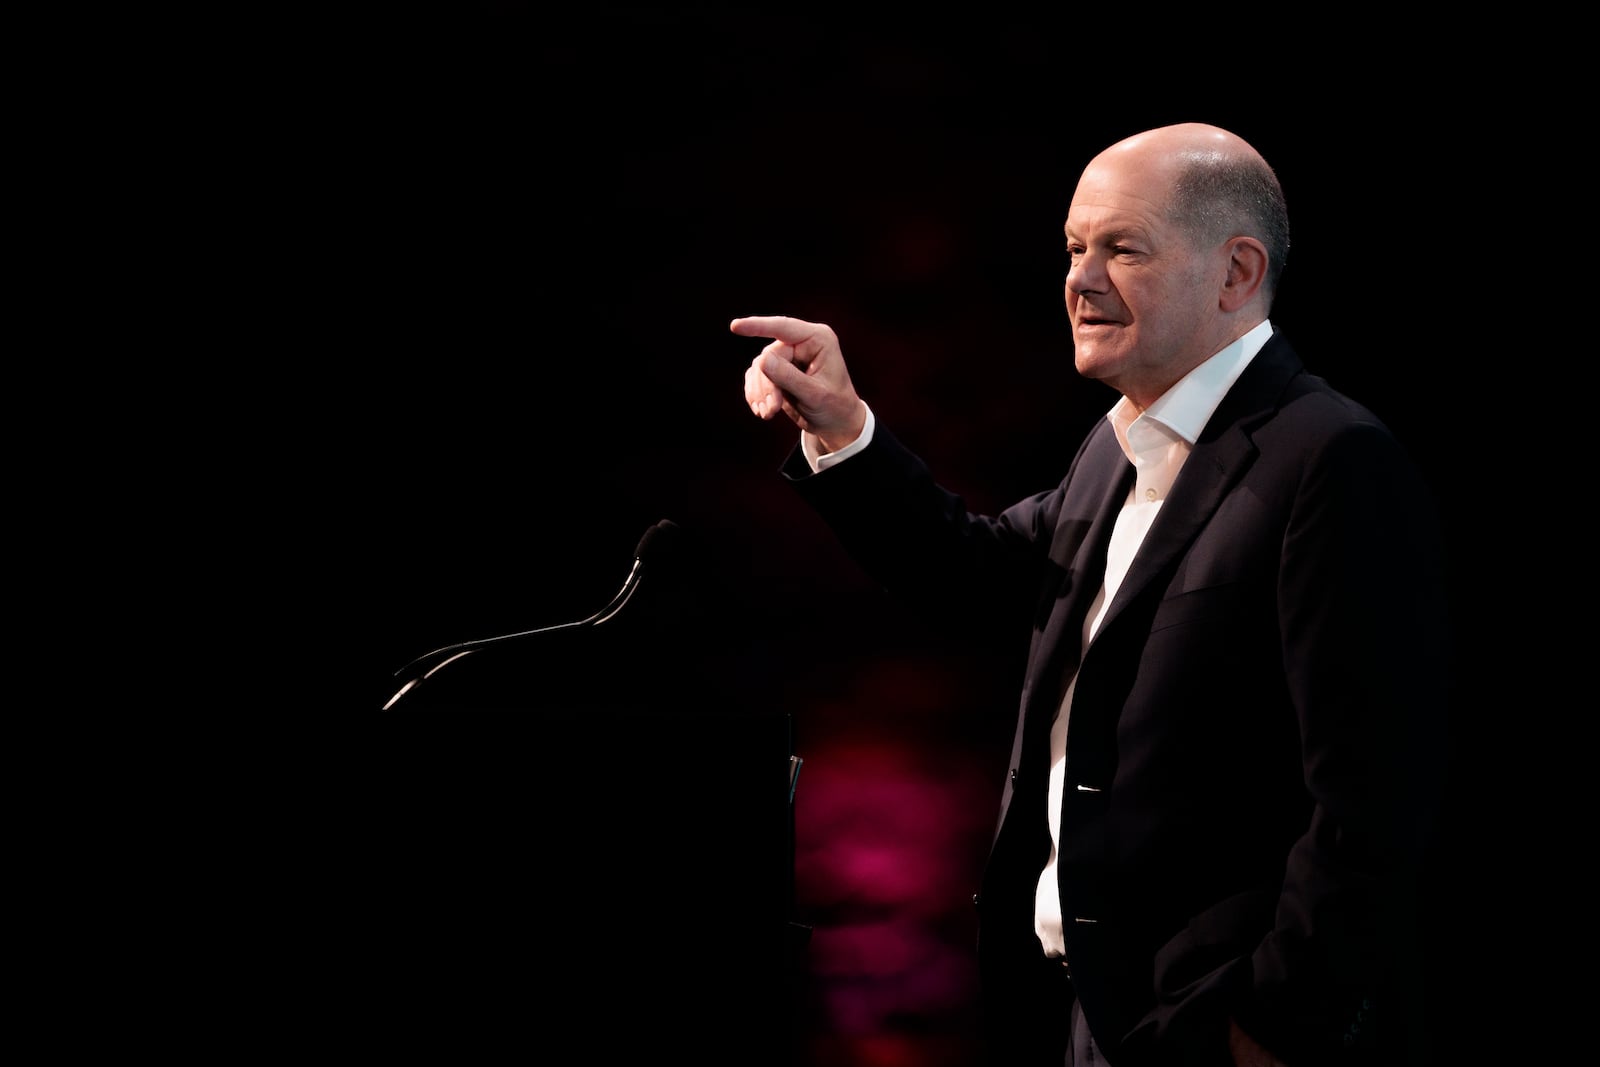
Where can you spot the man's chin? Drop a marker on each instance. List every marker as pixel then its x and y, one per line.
pixel 1092 361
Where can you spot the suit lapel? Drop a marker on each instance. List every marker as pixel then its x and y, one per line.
pixel 1095 493
pixel 1219 459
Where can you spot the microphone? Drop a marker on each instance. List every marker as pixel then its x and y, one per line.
pixel 654 545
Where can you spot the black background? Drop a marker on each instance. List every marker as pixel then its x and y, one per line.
pixel 512 244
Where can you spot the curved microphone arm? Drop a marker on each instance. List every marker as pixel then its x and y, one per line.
pixel 650 545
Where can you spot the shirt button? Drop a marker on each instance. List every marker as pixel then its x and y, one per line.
pixel 1149 494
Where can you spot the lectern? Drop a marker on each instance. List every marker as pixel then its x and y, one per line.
pixel 582 848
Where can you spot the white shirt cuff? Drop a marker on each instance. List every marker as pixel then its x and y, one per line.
pixel 821 461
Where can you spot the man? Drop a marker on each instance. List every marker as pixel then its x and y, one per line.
pixel 1229 740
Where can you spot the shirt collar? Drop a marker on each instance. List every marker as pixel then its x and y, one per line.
pixel 1184 409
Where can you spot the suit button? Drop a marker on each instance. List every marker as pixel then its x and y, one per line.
pixel 1013 776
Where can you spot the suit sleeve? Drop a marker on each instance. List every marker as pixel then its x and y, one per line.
pixel 919 541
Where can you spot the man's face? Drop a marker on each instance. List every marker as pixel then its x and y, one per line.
pixel 1142 300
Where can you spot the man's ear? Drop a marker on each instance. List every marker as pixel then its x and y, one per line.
pixel 1247 270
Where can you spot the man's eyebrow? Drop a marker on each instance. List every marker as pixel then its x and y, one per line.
pixel 1121 233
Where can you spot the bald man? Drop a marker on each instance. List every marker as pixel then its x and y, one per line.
pixel 1230 736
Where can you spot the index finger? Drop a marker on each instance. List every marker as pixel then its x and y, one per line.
pixel 778 327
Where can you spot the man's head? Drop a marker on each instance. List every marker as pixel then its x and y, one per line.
pixel 1178 236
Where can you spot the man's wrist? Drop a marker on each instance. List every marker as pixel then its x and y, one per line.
pixel 821 457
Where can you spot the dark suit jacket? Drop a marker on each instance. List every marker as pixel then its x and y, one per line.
pixel 1256 740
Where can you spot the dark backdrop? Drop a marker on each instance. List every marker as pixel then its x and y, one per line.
pixel 518 242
